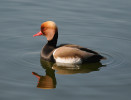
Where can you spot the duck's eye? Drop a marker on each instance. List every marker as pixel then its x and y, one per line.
pixel 43 31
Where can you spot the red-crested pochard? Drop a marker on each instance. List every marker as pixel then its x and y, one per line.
pixel 65 53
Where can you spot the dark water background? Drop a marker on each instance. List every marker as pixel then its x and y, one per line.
pixel 102 25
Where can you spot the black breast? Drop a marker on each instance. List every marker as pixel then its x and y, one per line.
pixel 47 53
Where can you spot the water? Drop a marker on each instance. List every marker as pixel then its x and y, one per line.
pixel 102 25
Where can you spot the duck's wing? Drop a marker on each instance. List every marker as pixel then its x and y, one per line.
pixel 72 54
pixel 79 47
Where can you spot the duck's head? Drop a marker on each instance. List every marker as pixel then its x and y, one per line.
pixel 48 29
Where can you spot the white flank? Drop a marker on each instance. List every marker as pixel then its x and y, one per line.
pixel 54 52
pixel 68 60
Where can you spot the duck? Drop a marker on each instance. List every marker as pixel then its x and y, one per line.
pixel 64 53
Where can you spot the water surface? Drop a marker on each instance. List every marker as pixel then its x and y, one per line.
pixel 102 25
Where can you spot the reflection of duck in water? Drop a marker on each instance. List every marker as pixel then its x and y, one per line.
pixel 74 69
pixel 49 81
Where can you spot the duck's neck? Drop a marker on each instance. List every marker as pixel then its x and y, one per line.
pixel 53 42
pixel 47 51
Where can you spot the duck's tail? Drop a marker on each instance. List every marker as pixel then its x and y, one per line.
pixel 103 58
pixel 94 58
